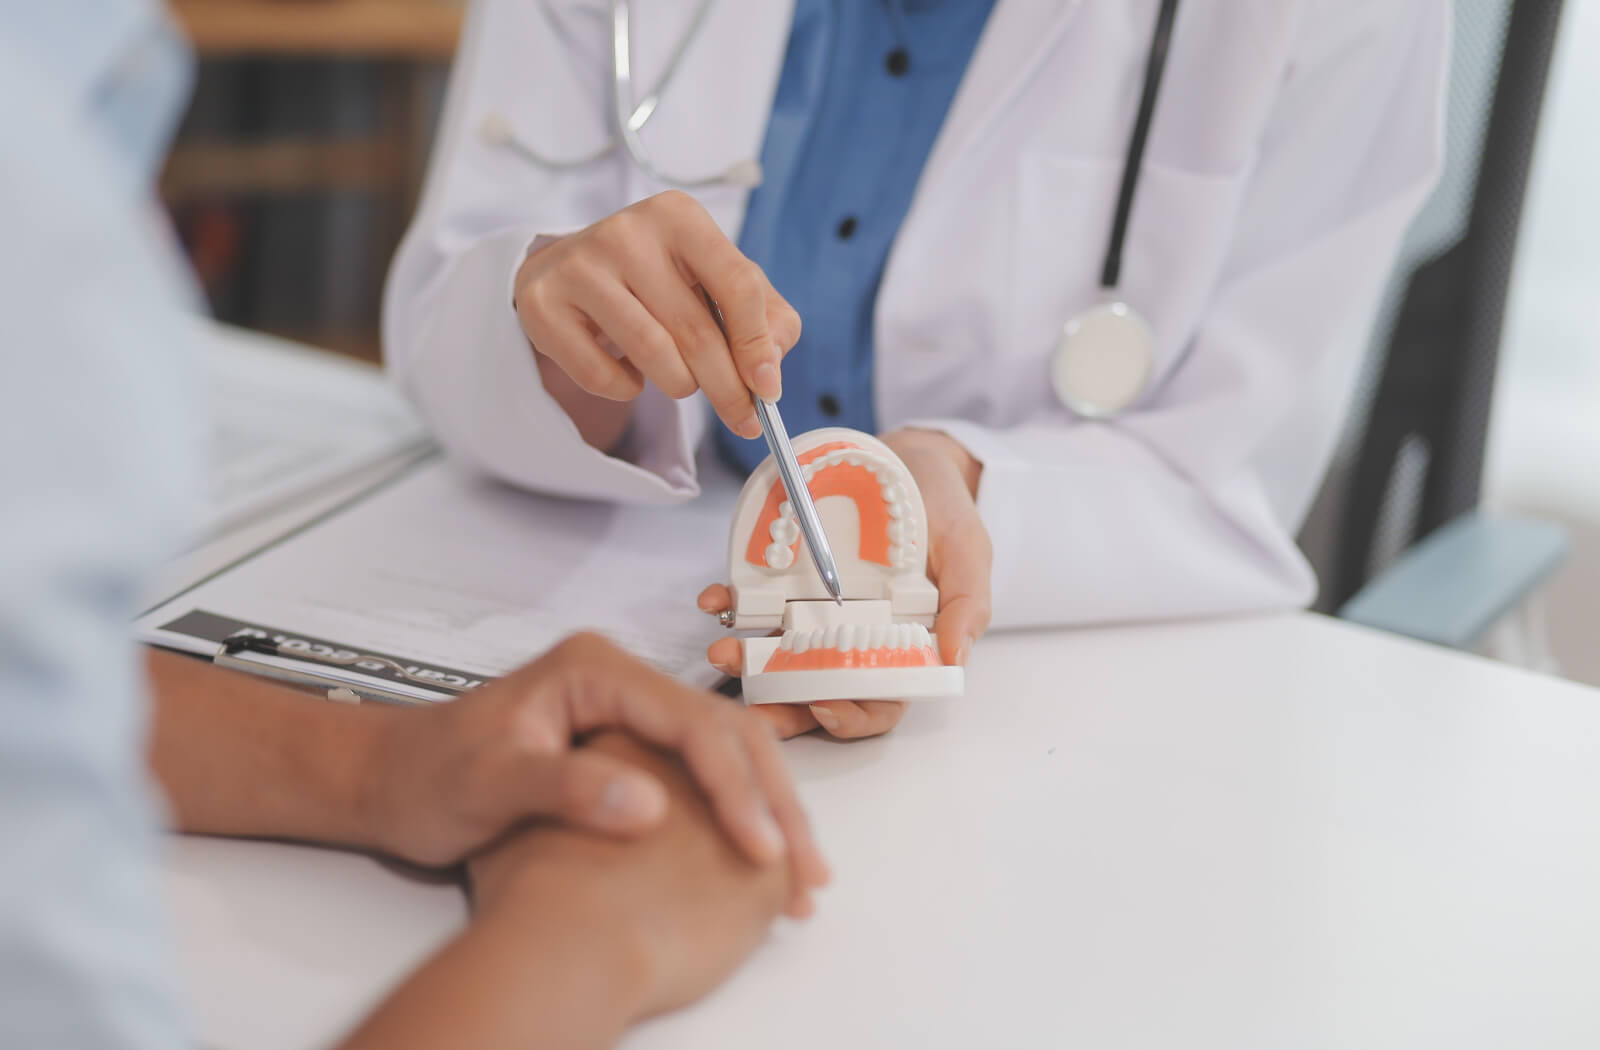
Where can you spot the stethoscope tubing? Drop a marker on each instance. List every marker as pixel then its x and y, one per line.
pixel 1133 163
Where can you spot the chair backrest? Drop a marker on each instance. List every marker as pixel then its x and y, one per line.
pixel 1412 458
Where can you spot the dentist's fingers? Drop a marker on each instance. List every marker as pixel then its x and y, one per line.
pixel 653 258
pixel 698 345
pixel 715 598
pixel 782 318
pixel 568 338
pixel 854 719
pixel 960 557
pixel 787 720
pixel 710 259
pixel 726 655
pixel 635 331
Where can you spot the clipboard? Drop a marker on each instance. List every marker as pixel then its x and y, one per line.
pixel 438 581
pixel 309 669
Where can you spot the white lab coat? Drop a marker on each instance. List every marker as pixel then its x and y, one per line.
pixel 1294 141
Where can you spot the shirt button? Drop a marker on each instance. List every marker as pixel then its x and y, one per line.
pixel 847 228
pixel 897 62
pixel 829 406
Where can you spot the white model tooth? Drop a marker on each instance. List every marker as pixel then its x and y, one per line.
pixel 786 509
pixel 897 531
pixel 784 530
pixel 847 637
pixel 902 636
pixel 779 556
pixel 898 509
pixel 829 639
pixel 788 640
pixel 874 637
pixel 893 493
pixel 852 459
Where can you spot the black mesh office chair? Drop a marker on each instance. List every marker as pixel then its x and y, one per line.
pixel 1398 537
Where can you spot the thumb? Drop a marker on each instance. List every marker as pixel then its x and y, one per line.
pixel 586 789
pixel 962 576
pixel 958 625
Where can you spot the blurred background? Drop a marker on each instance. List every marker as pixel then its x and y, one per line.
pixel 1544 436
pixel 304 151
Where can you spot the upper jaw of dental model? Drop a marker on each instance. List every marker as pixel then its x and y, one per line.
pixel 785 528
pixel 847 646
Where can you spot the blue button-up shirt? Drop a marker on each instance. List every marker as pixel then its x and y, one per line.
pixel 864 90
pixel 93 481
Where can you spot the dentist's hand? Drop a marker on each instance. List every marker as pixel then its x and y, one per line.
pixel 959 561
pixel 617 303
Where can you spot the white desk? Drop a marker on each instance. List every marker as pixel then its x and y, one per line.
pixel 1267 833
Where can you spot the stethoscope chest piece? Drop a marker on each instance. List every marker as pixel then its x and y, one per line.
pixel 1103 361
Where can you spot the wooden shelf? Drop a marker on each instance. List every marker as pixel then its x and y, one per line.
pixel 288 165
pixel 414 29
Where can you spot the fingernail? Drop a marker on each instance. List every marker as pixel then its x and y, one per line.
pixel 750 428
pixel 825 718
pixel 707 604
pixel 769 384
pixel 630 800
pixel 769 837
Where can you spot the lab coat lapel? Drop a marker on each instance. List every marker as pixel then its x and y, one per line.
pixel 715 111
pixel 1019 36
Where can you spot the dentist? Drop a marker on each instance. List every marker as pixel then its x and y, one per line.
pixel 1101 271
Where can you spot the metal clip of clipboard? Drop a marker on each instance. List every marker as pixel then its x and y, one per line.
pixel 232 653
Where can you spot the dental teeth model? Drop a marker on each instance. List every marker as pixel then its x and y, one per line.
pixel 877 645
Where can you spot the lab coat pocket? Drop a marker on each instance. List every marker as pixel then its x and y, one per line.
pixel 1177 243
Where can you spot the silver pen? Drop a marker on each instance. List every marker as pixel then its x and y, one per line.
pixel 805 508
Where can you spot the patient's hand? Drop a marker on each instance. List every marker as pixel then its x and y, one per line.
pixel 453 777
pixel 959 561
pixel 676 909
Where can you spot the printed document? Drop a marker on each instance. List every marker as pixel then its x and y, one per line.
pixel 465 579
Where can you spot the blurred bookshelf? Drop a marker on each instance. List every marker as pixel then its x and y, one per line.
pixel 302 155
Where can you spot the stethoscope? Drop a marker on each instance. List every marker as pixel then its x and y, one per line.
pixel 630 117
pixel 1104 359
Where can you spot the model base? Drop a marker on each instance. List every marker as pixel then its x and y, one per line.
pixel 881 683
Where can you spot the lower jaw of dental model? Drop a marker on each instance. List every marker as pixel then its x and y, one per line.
pixel 861 661
pixel 854 646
